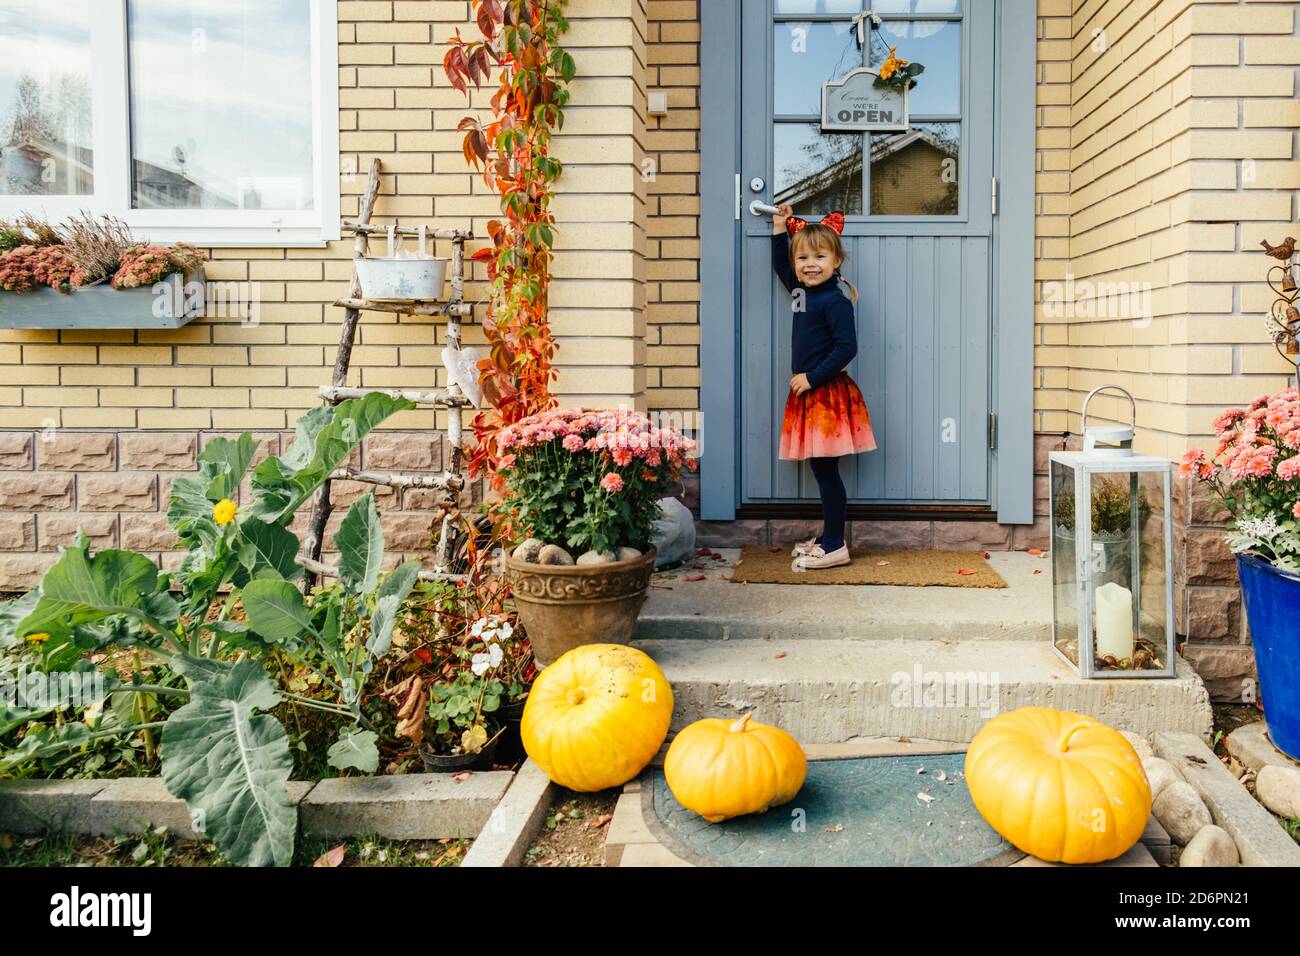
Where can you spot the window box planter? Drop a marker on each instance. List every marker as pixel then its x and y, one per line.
pixel 169 304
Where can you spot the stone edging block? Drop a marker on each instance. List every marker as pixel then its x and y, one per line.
pixel 137 804
pixel 1260 839
pixel 505 837
pixel 32 807
pixel 418 806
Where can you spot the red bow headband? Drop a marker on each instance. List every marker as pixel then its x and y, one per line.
pixel 835 220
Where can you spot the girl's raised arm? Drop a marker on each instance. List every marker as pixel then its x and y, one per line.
pixel 781 248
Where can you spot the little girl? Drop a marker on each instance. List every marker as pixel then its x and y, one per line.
pixel 825 415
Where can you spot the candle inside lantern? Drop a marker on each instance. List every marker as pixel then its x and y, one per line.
pixel 1114 621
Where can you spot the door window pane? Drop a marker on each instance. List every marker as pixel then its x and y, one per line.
pixel 45 99
pixel 817 172
pixel 937 45
pixel 916 6
pixel 851 7
pixel 221 104
pixel 916 173
pixel 807 55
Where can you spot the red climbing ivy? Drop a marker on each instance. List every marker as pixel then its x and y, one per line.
pixel 521 39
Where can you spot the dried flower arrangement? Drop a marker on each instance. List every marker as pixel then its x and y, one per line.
pixel 85 251
pixel 96 246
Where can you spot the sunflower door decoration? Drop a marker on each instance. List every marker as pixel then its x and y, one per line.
pixel 895 72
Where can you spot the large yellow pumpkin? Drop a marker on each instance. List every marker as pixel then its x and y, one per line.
pixel 1058 785
pixel 724 768
pixel 597 716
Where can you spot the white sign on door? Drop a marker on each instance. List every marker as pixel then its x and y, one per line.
pixel 852 103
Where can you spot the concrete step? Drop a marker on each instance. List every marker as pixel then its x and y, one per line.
pixel 832 691
pixel 719 609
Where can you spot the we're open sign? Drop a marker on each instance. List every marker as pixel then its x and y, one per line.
pixel 853 103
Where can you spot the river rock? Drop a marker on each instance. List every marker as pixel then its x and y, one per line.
pixel 554 554
pixel 1278 788
pixel 528 550
pixel 1160 774
pixel 1181 812
pixel 1140 744
pixel 626 554
pixel 596 557
pixel 1212 846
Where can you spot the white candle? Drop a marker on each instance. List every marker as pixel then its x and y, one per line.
pixel 1114 621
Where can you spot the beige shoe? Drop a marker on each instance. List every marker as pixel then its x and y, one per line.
pixel 816 559
pixel 803 547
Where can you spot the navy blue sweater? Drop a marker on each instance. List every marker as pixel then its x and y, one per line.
pixel 825 333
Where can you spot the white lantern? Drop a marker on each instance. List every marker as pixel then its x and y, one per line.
pixel 1112 554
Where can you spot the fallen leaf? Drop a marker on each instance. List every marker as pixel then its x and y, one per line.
pixel 881 564
pixel 965 571
pixel 985 555
pixel 920 770
pixel 925 798
pixel 696 577
pixel 904 740
pixel 462 776
pixel 1038 570
pixel 776 550
pixel 838 828
pixel 778 655
pixel 1036 552
pixel 332 858
pixel 601 820
pixel 942 776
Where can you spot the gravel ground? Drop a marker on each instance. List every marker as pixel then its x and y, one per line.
pixel 574 832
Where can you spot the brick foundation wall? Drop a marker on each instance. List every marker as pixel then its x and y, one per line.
pixel 115 486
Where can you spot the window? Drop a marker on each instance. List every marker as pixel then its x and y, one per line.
pixel 907 174
pixel 208 121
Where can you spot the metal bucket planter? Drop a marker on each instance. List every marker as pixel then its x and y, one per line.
pixel 567 606
pixel 397 279
pixel 1273 608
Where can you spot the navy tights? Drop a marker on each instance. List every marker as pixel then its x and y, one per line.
pixel 835 502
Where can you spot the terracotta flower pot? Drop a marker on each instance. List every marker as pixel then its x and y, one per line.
pixel 567 606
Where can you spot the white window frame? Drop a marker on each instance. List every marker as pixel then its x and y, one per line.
pixel 111 139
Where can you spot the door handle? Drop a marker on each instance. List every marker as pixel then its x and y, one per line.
pixel 762 209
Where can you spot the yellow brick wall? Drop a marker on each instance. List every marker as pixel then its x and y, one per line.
pixel 673 233
pixel 1181 121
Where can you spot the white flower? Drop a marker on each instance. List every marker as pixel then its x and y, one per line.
pixel 477 629
pixel 505 631
pixel 479 664
pixel 495 655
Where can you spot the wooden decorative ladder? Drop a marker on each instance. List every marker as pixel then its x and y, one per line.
pixel 452 481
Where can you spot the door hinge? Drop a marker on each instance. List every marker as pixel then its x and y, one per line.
pixel 993 431
pixel 737 197
pixel 995 195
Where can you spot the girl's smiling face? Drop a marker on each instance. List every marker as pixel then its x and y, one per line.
pixel 815 263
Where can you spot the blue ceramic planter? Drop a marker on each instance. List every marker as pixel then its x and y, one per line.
pixel 1273 608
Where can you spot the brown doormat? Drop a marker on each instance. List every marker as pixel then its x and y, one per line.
pixel 905 568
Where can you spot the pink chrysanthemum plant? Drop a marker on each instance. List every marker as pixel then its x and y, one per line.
pixel 1255 472
pixel 591 480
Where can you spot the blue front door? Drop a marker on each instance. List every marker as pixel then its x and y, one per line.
pixel 919 240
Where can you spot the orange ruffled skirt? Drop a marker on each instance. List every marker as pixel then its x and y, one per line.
pixel 826 422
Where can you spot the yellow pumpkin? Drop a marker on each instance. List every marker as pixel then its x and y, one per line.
pixel 597 716
pixel 1058 785
pixel 724 768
